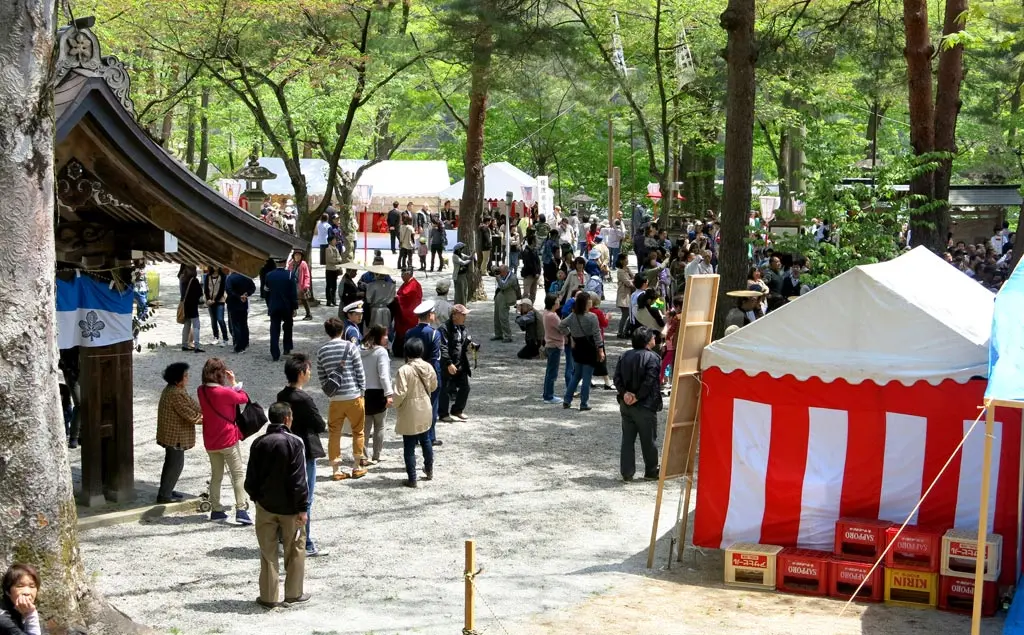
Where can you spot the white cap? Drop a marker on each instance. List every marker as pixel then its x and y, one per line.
pixel 424 307
pixel 355 307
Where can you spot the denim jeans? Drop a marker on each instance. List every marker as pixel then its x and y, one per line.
pixel 613 255
pixel 554 355
pixel 409 443
pixel 513 262
pixel 431 433
pixel 217 319
pixel 310 484
pixel 581 372
pixel 568 365
pixel 190 325
pixel 277 319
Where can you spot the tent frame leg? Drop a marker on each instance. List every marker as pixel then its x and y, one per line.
pixel 979 563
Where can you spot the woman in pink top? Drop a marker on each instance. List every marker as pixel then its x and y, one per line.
pixel 303 280
pixel 219 398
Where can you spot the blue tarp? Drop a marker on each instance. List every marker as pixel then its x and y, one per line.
pixel 1006 350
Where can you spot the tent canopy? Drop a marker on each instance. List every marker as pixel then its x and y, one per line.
pixel 1006 356
pixel 499 178
pixel 387 178
pixel 909 319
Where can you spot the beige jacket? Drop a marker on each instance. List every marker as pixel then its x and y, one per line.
pixel 413 385
pixel 333 258
pixel 624 278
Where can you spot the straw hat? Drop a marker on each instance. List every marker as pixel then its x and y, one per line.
pixel 744 294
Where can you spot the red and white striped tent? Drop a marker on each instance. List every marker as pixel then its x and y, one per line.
pixel 847 402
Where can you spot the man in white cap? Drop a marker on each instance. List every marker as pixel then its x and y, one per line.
pixel 530 321
pixel 442 307
pixel 455 367
pixel 431 339
pixel 353 318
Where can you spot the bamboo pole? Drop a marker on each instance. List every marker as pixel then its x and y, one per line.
pixel 979 562
pixel 470 571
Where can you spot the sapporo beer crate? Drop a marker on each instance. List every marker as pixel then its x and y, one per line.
pixel 956 595
pixel 917 589
pixel 916 549
pixel 960 550
pixel 751 565
pixel 803 571
pixel 860 539
pixel 845 575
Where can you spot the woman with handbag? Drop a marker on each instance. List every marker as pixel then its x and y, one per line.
pixel 188 315
pixel 303 280
pixel 587 342
pixel 216 295
pixel 414 384
pixel 219 397
pixel 378 395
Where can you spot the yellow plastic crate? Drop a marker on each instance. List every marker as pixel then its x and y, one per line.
pixel 916 589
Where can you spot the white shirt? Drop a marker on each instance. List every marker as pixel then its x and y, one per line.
pixel 613 236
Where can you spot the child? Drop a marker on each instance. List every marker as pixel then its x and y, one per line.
pixel 556 286
pixel 422 253
pixel 671 333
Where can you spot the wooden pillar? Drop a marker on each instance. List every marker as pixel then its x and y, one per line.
pixel 979 561
pixel 614 207
pixel 611 168
pixel 107 437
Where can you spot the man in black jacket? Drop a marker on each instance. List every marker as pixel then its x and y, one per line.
pixel 240 288
pixel 276 482
pixel 394 220
pixel 637 379
pixel 531 270
pixel 308 425
pixel 455 368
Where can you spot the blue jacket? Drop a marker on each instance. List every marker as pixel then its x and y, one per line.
pixel 431 338
pixel 238 285
pixel 282 295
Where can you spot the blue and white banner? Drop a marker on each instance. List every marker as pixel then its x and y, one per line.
pixel 92 313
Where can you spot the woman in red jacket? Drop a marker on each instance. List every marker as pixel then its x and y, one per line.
pixel 219 397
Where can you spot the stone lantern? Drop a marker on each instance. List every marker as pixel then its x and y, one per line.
pixel 254 174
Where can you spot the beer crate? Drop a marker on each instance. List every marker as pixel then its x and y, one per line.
pixel 917 589
pixel 751 565
pixel 845 575
pixel 860 539
pixel 956 595
pixel 960 548
pixel 803 571
pixel 916 549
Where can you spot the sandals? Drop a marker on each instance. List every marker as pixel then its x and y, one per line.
pixel 340 476
pixel 358 473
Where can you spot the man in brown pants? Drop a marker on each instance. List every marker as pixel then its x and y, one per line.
pixel 276 482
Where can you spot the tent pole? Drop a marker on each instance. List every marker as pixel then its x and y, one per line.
pixel 1020 505
pixel 979 563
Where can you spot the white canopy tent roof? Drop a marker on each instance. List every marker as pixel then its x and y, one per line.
pixel 910 319
pixel 499 178
pixel 387 178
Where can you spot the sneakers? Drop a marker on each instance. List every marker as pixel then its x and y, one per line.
pixel 218 516
pixel 302 599
pixel 313 552
pixel 428 476
pixel 461 417
pixel 566 405
pixel 584 408
pixel 408 483
pixel 199 350
pixel 436 442
pixel 268 605
pixel 242 517
pixel 554 401
pixel 446 419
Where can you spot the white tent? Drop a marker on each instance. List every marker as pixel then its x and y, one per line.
pixel 909 319
pixel 499 178
pixel 387 178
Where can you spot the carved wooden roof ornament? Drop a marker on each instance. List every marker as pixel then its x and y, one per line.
pixel 78 50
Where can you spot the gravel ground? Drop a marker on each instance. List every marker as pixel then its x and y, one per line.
pixel 537 489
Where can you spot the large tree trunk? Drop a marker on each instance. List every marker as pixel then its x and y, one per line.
pixel 797 134
pixel 473 193
pixel 38 521
pixel 918 51
pixel 782 170
pixel 204 135
pixel 190 134
pixel 947 107
pixel 741 59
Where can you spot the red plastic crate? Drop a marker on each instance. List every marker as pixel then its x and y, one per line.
pixel 803 571
pixel 917 549
pixel 845 575
pixel 956 595
pixel 860 539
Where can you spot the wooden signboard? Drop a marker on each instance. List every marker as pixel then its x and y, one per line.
pixel 682 424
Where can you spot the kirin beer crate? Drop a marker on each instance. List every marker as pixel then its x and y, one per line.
pixel 916 549
pixel 803 571
pixel 845 575
pixel 860 539
pixel 911 588
pixel 956 595
pixel 960 549
pixel 751 565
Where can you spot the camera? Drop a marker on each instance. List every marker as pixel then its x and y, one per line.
pixel 475 346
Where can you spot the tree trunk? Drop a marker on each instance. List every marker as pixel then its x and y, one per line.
pixel 918 51
pixel 797 134
pixel 203 170
pixel 947 107
pixel 741 58
pixel 709 169
pixel 190 134
pixel 782 172
pixel 38 524
pixel 473 193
